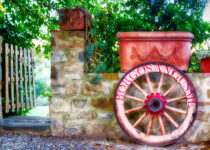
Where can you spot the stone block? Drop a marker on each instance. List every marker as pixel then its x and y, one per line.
pixel 68 39
pixel 54 73
pixel 76 67
pixel 208 93
pixel 102 103
pixel 58 90
pixel 102 131
pixel 202 116
pixel 57 128
pixel 79 103
pixel 79 34
pixel 111 76
pixel 105 116
pixel 59 105
pixel 70 54
pixel 57 82
pixel 91 89
pixel 58 56
pixel 73 76
pixel 81 56
pixel 88 115
pixel 72 131
pixel 72 89
pixel 96 131
pixel 53 41
pixel 56 116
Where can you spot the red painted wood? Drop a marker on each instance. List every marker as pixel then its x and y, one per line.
pixel 141 47
pixel 205 65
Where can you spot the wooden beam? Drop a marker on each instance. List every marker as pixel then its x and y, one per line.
pixel 1 74
pixel 11 78
pixel 29 78
pixel 33 79
pixel 21 80
pixel 16 79
pixel 6 73
pixel 26 80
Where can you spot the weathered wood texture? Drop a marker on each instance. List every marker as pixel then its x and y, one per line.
pixel 1 115
pixel 18 69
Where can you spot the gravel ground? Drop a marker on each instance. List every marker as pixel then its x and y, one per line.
pixel 9 141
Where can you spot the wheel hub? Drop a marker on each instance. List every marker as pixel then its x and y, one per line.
pixel 155 103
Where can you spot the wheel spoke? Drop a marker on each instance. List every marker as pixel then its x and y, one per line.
pixel 135 98
pixel 169 90
pixel 150 124
pixel 139 120
pixel 171 120
pixel 176 99
pixel 134 109
pixel 175 109
pixel 139 89
pixel 161 125
pixel 160 83
pixel 149 83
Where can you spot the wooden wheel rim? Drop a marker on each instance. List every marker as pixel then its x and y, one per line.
pixel 184 82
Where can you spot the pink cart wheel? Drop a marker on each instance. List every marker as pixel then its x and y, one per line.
pixel 155 103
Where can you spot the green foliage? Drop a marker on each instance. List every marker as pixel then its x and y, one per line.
pixel 24 112
pixel 96 80
pixel 46 91
pixel 19 113
pixel 22 21
pixel 111 17
pixel 141 15
pixel 203 50
pixel 200 51
pixel 194 63
pixel 39 87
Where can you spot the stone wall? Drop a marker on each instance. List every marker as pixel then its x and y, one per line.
pixel 82 104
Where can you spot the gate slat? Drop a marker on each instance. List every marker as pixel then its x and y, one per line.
pixel 29 78
pixel 16 80
pixel 33 80
pixel 26 80
pixel 6 68
pixel 18 68
pixel 1 104
pixel 11 78
pixel 21 79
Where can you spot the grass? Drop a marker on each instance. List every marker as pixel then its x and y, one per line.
pixel 42 111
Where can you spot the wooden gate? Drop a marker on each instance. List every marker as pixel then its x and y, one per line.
pixel 18 84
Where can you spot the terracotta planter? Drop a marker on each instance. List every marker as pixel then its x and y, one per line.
pixel 205 65
pixel 71 19
pixel 141 47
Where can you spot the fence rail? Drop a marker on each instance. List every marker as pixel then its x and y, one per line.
pixel 18 88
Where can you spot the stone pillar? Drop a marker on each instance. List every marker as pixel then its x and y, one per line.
pixel 1 74
pixel 67 69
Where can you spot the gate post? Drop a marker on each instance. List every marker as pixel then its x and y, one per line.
pixel 67 65
pixel 1 73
